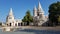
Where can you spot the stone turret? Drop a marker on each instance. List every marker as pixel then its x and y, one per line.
pixel 35 11
pixel 39 17
pixel 10 18
pixel 39 9
pixel 10 13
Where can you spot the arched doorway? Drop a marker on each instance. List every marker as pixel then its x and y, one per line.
pixel 10 24
pixel 15 24
pixel 19 24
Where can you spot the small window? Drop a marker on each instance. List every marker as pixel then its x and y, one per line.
pixel 7 24
pixel 38 14
pixel 10 17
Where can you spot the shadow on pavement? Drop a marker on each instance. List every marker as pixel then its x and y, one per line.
pixel 39 31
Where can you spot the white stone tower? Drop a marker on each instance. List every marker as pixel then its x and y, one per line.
pixel 35 15
pixel 35 11
pixel 40 13
pixel 39 17
pixel 10 18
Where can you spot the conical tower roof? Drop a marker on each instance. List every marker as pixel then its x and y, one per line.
pixel 35 11
pixel 35 8
pixel 39 5
pixel 40 8
pixel 11 13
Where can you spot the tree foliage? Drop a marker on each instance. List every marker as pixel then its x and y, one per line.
pixel 0 23
pixel 28 18
pixel 54 13
pixel 59 19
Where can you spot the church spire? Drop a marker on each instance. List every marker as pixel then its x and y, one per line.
pixel 40 8
pixel 10 13
pixel 39 5
pixel 35 8
pixel 10 9
pixel 35 11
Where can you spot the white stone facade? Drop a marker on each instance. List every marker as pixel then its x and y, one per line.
pixel 10 21
pixel 38 15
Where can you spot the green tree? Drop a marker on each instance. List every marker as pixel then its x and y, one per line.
pixel 59 19
pixel 54 13
pixel 0 23
pixel 28 18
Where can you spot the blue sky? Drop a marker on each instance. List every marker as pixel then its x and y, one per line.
pixel 21 6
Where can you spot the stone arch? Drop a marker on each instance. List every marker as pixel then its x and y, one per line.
pixel 10 24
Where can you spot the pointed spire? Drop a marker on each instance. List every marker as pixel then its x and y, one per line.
pixel 35 8
pixel 39 5
pixel 10 13
pixel 11 10
pixel 40 8
pixel 35 11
